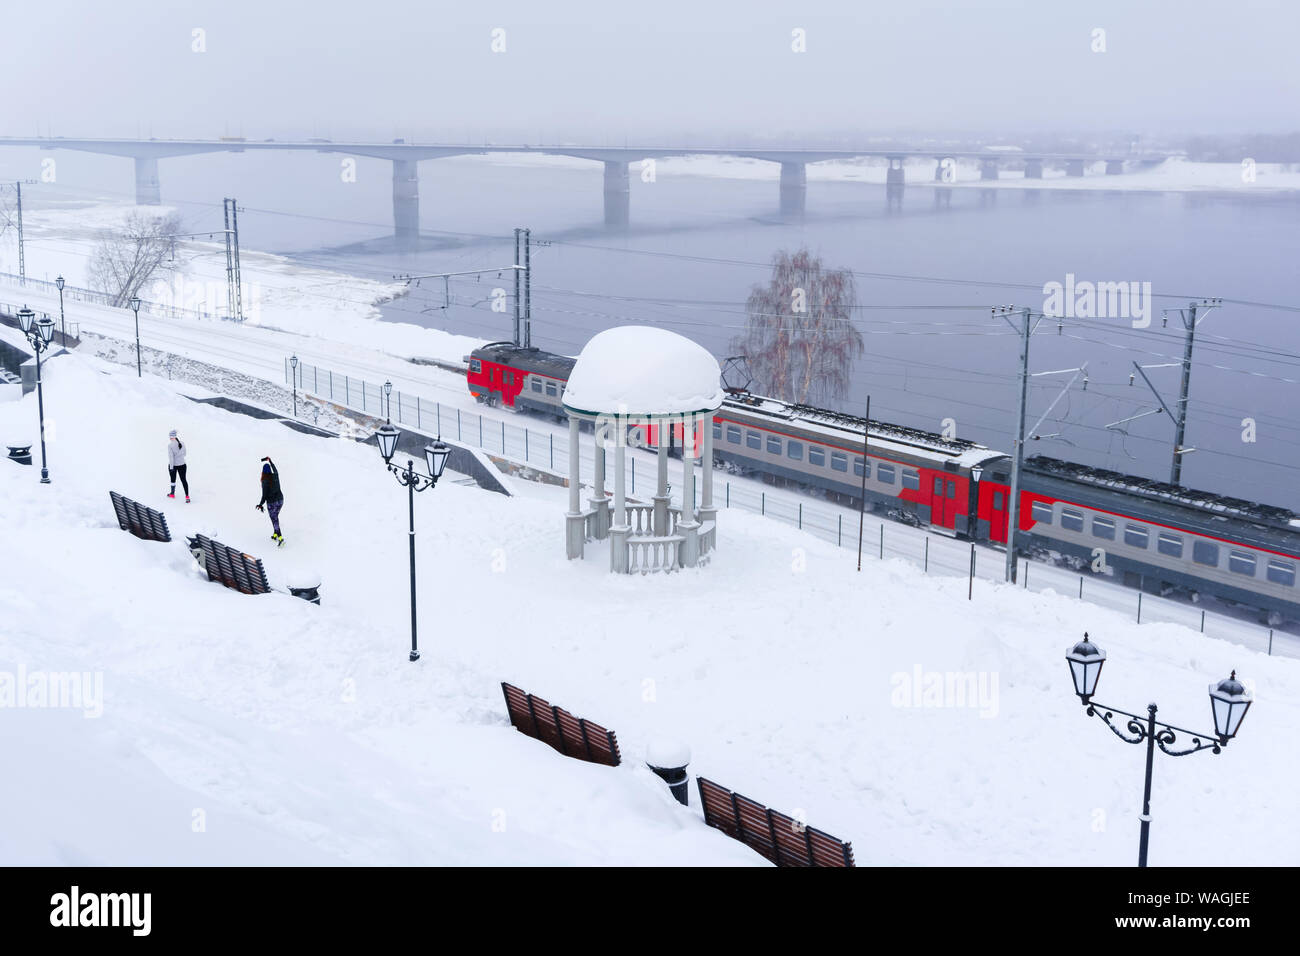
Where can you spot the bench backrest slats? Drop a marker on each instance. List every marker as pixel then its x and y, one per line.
pixel 141 520
pixel 236 570
pixel 778 837
pixel 555 726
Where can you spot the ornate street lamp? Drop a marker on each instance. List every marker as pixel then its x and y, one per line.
pixel 435 456
pixel 293 365
pixel 1229 701
pixel 135 306
pixel 39 334
pixel 388 401
pixel 63 322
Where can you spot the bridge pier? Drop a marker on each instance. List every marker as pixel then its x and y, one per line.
pixel 1114 167
pixel 989 169
pixel 148 192
pixel 894 175
pixel 1074 167
pixel 1033 169
pixel 794 188
pixel 938 169
pixel 618 194
pixel 406 202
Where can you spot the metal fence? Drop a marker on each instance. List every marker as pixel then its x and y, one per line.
pixel 79 294
pixel 882 538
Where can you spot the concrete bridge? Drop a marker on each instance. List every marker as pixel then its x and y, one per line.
pixel 406 157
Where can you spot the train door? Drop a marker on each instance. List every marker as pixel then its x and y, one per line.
pixel 943 502
pixel 998 513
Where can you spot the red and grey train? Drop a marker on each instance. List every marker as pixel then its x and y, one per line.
pixel 1149 534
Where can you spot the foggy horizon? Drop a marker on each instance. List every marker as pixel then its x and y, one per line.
pixel 674 72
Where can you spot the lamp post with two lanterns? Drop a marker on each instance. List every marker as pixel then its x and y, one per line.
pixel 1229 701
pixel 38 333
pixel 435 456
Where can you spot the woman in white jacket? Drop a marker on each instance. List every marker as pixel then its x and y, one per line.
pixel 176 465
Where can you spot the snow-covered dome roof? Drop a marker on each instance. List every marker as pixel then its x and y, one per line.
pixel 642 370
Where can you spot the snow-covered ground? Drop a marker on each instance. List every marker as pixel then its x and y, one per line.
pixel 301 734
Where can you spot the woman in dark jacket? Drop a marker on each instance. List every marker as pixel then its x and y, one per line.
pixel 272 497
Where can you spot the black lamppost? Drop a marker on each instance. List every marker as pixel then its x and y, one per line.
pixel 135 305
pixel 1229 701
pixel 63 322
pixel 435 456
pixel 293 373
pixel 40 337
pixel 388 401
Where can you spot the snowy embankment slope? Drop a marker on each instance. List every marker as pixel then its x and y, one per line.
pixel 306 736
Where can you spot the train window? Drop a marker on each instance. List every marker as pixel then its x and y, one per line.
pixel 753 439
pixel 717 429
pixel 1205 552
pixel 816 455
pixel 537 385
pixel 1281 572
pixel 773 445
pixel 1103 528
pixel 938 486
pixel 885 474
pixel 1071 520
pixel 952 489
pixel 1170 544
pixel 1042 511
pixel 860 466
pixel 475 366
pixel 1136 536
pixel 733 434
pixel 509 377
pixel 998 504
pixel 912 480
pixel 1241 562
pixel 839 461
pixel 550 389
pixel 795 450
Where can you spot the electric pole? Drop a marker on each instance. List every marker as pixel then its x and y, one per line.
pixel 528 290
pixel 234 296
pixel 516 271
pixel 1013 505
pixel 1190 320
pixel 22 260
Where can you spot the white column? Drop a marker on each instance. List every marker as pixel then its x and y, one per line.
pixel 618 533
pixel 708 513
pixel 688 527
pixel 575 531
pixel 663 430
pixel 599 503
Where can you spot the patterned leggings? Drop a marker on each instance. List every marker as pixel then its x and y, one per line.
pixel 273 509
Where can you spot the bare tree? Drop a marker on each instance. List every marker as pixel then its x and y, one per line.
pixel 799 336
pixel 125 259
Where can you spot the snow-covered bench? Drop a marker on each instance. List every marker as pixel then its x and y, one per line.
pixel 782 839
pixel 141 520
pixel 571 736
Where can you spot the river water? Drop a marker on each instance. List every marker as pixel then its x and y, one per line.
pixel 695 245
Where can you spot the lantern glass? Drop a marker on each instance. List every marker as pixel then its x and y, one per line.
pixel 387 436
pixel 435 456
pixel 293 360
pixel 1229 701
pixel 1085 660
pixel 135 303
pixel 976 472
pixel 58 282
pixel 46 327
pixel 25 317
pixel 388 388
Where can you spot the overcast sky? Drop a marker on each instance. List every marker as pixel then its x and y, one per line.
pixel 627 70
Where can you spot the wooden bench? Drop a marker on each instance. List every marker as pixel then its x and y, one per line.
pixel 571 736
pixel 782 839
pixel 228 566
pixel 141 520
